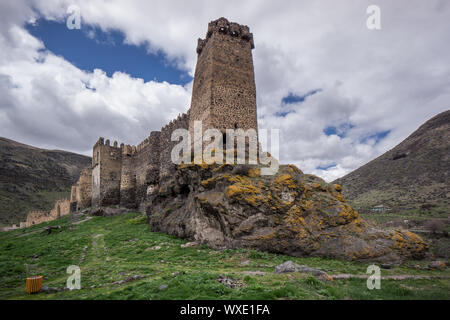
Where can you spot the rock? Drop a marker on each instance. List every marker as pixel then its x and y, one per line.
pixel 47 289
pixel 287 267
pixel 189 245
pixel 437 265
pixel 49 229
pixel 245 263
pixel 322 275
pixel 108 211
pixel 386 265
pixel 288 213
pixel 229 282
pixel 164 286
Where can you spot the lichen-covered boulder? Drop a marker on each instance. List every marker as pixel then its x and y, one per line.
pixel 290 213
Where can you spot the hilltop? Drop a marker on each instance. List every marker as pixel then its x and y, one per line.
pixel 33 178
pixel 415 175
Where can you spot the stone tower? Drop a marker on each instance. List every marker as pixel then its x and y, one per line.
pixel 106 173
pixel 224 93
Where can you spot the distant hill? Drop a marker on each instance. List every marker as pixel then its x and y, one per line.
pixel 32 178
pixel 414 175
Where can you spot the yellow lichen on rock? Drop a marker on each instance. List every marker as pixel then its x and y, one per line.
pixel 254 172
pixel 294 169
pixel 285 180
pixel 348 213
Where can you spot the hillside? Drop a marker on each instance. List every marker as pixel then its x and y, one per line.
pixel 33 178
pixel 415 175
pixel 120 258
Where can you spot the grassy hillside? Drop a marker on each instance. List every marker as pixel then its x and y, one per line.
pixel 33 178
pixel 121 259
pixel 412 177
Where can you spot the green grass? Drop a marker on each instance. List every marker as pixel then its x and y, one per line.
pixel 120 247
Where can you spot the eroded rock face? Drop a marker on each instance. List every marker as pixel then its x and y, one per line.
pixel 290 213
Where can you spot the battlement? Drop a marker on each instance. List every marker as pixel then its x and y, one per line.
pixel 128 150
pixel 174 124
pixel 101 142
pixel 223 26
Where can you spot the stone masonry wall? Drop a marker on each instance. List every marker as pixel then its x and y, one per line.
pixel 166 164
pixel 81 193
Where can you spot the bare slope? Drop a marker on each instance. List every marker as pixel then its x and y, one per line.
pixel 413 175
pixel 32 178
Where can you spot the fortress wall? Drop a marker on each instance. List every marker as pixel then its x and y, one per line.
pixel 140 169
pixel 81 193
pixel 166 164
pixel 128 178
pixel 61 208
pixel 84 189
pixel 37 216
pixel 146 164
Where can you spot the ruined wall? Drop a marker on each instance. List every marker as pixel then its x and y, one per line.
pixel 36 217
pixel 106 173
pixel 224 92
pixel 61 208
pixel 166 145
pixel 81 193
pixel 84 189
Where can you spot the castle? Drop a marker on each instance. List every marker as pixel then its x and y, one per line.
pixel 223 97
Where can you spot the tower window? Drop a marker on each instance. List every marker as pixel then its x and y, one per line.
pixel 224 140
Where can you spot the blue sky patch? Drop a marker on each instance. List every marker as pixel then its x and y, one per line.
pixel 293 98
pixel 377 136
pixel 341 131
pixel 326 167
pixel 106 51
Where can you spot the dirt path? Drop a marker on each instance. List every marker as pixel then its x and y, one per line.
pixel 98 244
pixel 391 277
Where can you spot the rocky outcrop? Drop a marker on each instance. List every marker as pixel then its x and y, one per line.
pixel 290 213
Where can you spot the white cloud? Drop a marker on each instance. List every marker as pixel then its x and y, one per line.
pixel 388 80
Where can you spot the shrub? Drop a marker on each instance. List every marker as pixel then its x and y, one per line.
pixel 241 169
pixel 434 226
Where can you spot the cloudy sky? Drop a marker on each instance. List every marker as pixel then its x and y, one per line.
pixel 341 94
